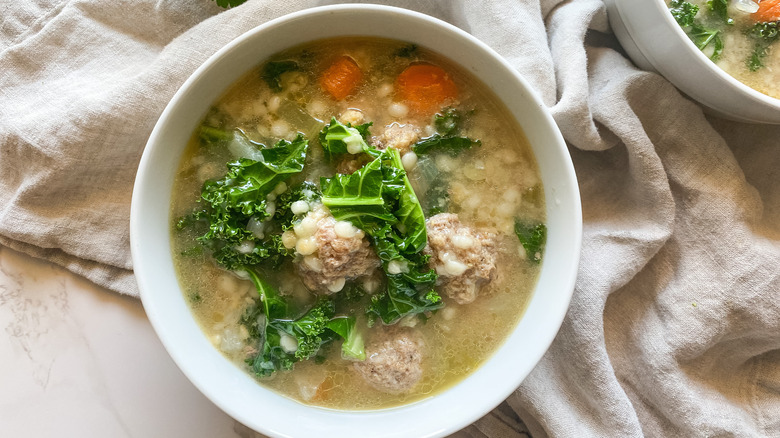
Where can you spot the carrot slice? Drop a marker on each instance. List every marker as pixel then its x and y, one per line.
pixel 323 391
pixel 768 10
pixel 425 87
pixel 341 78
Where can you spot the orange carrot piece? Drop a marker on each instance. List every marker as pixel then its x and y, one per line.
pixel 323 391
pixel 425 87
pixel 341 78
pixel 768 10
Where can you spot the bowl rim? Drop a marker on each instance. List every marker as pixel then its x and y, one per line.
pixel 442 424
pixel 694 54
pixel 706 59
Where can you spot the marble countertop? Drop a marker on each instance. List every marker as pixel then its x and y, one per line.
pixel 81 361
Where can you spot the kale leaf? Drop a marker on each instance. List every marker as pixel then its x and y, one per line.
pixel 447 122
pixel 337 139
pixel 268 323
pixel 357 198
pixel 407 51
pixel 305 191
pixel 446 139
pixel 353 346
pixel 764 35
pixel 305 337
pixel 379 199
pixel 273 71
pixel 684 12
pixel 533 238
pixel 229 3
pixel 721 10
pixel 702 36
pixel 437 142
pixel 407 208
pixel 239 199
pixel 247 183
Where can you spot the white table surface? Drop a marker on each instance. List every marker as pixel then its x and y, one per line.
pixel 77 360
pixel 80 361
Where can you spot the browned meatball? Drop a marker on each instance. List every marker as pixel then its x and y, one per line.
pixel 464 257
pixel 331 252
pixel 400 137
pixel 393 360
pixel 350 164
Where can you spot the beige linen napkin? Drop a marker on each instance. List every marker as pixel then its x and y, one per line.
pixel 674 328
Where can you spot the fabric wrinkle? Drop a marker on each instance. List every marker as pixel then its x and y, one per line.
pixel 674 325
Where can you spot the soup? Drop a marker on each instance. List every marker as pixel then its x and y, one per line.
pixel 359 223
pixel 738 35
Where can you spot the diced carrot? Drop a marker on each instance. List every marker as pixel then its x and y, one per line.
pixel 425 87
pixel 341 78
pixel 323 391
pixel 768 10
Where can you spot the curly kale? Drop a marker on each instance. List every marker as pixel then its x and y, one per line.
pixel 446 139
pixel 283 341
pixel 273 71
pixel 338 139
pixel 763 35
pixel 533 237
pixel 379 199
pixel 305 191
pixel 236 206
pixel 229 3
pixel 684 12
pixel 703 37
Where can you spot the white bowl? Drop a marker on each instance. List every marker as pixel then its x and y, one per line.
pixel 655 42
pixel 232 389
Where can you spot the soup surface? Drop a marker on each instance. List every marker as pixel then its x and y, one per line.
pixel 738 35
pixel 359 223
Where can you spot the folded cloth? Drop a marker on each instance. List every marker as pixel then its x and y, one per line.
pixel 674 327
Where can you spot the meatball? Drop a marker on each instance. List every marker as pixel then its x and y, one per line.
pixel 351 163
pixel 352 116
pixel 464 258
pixel 400 137
pixel 393 360
pixel 332 251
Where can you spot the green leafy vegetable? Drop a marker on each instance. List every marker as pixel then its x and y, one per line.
pixel 353 346
pixel 437 197
pixel 305 191
pixel 407 51
pixel 437 142
pixel 407 210
pixel 379 199
pixel 273 71
pixel 447 122
pixel 721 10
pixel 533 238
pixel 211 134
pixel 283 341
pixel 357 198
pixel 247 182
pixel 702 36
pixel 446 139
pixel 764 35
pixel 236 202
pixel 684 12
pixel 229 3
pixel 337 139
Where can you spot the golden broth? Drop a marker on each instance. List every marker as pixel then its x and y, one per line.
pixel 489 186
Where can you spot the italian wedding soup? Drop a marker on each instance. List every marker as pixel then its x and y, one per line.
pixel 358 223
pixel 738 35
